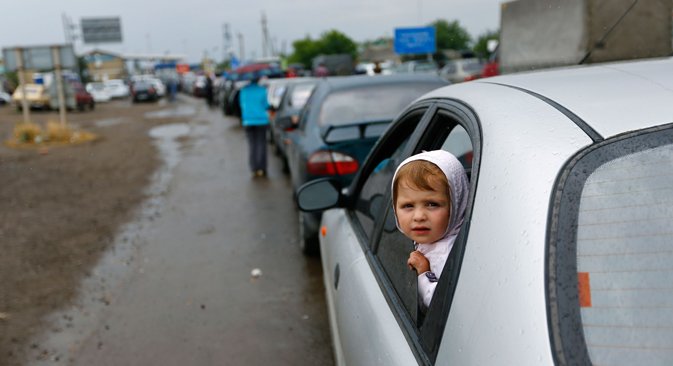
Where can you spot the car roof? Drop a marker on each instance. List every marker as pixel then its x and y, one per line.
pixel 344 82
pixel 611 98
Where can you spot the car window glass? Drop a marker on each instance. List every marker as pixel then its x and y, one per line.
pixel 363 104
pixel 450 69
pixel 609 265
pixel 624 255
pixel 306 112
pixel 392 252
pixel 459 144
pixel 300 95
pixel 472 65
pixel 371 198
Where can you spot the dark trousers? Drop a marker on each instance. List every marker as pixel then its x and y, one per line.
pixel 257 146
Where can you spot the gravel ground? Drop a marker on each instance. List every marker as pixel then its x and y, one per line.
pixel 60 210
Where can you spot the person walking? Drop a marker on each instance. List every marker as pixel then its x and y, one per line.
pixel 255 122
pixel 209 90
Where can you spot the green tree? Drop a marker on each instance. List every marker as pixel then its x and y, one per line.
pixel 482 41
pixel 451 35
pixel 330 43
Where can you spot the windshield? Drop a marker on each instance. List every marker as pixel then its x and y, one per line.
pixel 370 103
pixel 97 86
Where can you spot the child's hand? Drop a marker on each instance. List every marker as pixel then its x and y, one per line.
pixel 418 261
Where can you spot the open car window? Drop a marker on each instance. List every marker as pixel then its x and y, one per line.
pixel 447 131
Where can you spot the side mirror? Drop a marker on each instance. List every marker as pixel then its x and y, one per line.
pixel 319 195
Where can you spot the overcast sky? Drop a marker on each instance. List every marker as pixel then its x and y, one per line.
pixel 192 27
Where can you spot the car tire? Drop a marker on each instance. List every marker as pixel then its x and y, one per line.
pixel 308 244
pixel 92 105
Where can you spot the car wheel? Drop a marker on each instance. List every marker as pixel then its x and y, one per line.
pixel 92 105
pixel 308 243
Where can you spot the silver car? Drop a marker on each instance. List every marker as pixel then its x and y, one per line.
pixel 566 253
pixel 465 69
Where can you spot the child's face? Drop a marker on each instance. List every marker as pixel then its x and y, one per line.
pixel 423 215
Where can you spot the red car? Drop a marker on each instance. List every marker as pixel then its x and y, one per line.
pixel 82 97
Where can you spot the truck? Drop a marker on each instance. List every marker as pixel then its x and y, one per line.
pixel 338 65
pixel 537 34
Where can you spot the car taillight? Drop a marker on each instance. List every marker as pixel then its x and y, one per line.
pixel 326 162
pixel 470 78
pixel 151 90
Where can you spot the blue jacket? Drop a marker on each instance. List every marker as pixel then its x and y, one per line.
pixel 254 105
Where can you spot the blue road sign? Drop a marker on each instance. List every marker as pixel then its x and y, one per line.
pixel 415 40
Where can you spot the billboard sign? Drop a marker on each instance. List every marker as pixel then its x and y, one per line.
pixel 415 40
pixel 39 57
pixel 101 30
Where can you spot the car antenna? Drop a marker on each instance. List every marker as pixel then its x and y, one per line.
pixel 608 33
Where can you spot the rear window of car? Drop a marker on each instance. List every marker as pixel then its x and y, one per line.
pixel 473 65
pixel 613 267
pixel 300 95
pixel 370 103
pixel 425 66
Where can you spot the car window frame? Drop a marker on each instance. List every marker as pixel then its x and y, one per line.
pixel 425 344
pixel 564 322
pixel 434 325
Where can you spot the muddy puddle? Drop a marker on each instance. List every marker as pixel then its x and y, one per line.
pixel 179 111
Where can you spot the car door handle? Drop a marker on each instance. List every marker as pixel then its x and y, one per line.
pixel 336 276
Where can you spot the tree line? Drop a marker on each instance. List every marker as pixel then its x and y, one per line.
pixel 450 35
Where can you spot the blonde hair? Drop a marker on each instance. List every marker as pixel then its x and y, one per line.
pixel 417 173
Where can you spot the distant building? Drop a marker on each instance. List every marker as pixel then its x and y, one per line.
pixel 105 65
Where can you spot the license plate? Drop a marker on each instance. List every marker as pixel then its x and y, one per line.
pixel 142 96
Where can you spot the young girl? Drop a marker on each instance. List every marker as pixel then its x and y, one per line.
pixel 430 196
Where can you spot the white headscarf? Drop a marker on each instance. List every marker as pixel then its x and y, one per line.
pixel 438 252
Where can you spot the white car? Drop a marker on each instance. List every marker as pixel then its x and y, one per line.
pixel 98 91
pixel 565 256
pixel 5 98
pixel 159 86
pixel 117 89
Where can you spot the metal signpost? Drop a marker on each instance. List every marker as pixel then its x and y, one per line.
pixel 415 40
pixel 40 58
pixel 101 30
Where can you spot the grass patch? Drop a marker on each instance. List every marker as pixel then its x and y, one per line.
pixel 31 135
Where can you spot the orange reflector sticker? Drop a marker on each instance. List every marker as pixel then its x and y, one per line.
pixel 585 289
pixel 324 230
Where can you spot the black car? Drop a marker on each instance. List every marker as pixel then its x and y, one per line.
pixel 144 91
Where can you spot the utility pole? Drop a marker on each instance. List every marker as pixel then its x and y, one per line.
pixel 240 44
pixel 267 42
pixel 265 35
pixel 227 42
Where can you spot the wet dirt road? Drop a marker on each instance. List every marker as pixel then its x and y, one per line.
pixel 178 289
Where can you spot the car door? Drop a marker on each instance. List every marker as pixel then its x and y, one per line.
pixel 364 329
pixel 452 127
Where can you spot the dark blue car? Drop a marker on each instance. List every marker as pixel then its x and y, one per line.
pixel 339 125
